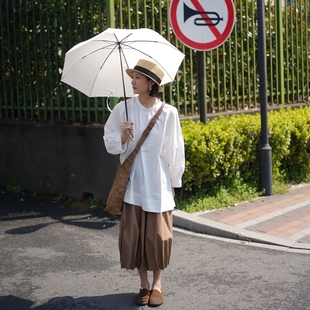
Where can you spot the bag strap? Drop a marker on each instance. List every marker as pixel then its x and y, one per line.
pixel 147 131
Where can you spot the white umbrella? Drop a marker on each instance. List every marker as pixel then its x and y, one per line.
pixel 96 67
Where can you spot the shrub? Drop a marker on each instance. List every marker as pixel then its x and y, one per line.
pixel 227 149
pixel 291 147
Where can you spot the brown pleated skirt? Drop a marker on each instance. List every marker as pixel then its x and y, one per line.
pixel 145 238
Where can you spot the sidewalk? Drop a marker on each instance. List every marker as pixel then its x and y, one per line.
pixel 282 220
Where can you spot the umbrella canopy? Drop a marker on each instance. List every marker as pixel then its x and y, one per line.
pixel 96 67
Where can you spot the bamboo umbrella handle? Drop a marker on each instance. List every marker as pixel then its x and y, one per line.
pixel 130 135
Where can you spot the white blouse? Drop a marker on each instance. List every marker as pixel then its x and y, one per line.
pixel 160 163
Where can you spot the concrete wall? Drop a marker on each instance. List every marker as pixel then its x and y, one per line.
pixel 56 159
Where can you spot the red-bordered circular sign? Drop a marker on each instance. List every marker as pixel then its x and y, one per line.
pixel 202 24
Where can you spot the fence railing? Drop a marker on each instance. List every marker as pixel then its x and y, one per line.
pixel 35 35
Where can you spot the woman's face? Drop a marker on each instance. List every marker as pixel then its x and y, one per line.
pixel 140 83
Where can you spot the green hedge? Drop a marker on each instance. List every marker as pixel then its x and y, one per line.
pixel 228 148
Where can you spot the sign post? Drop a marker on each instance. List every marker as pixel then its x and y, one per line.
pixel 202 86
pixel 202 25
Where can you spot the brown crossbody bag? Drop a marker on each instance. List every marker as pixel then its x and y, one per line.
pixel 116 196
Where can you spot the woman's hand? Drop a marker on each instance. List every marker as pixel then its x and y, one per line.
pixel 126 128
pixel 173 193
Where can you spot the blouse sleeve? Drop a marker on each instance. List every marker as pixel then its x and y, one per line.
pixel 112 132
pixel 173 149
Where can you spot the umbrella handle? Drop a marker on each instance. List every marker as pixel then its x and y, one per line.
pixel 108 105
pixel 129 132
pixel 130 135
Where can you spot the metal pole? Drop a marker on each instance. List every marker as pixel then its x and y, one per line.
pixel 265 149
pixel 111 24
pixel 279 52
pixel 110 13
pixel 202 85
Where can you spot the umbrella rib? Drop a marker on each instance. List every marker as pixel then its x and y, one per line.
pixel 122 72
pixel 99 49
pixel 101 67
pixel 113 42
pixel 121 50
pixel 95 51
pixel 127 43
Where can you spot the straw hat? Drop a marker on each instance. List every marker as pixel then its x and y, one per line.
pixel 149 69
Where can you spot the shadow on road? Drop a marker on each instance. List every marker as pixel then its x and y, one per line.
pixel 33 214
pixel 115 301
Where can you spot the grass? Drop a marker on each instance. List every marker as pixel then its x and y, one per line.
pixel 225 196
pixel 214 198
pixel 88 202
pixel 15 189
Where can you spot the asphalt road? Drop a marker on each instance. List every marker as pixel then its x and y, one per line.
pixel 55 257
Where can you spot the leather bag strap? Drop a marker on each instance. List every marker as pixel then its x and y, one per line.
pixel 146 131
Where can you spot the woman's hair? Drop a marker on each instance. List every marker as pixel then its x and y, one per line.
pixel 154 91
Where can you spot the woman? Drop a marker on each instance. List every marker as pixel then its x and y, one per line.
pixel 145 232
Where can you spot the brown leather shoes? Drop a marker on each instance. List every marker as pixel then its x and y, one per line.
pixel 143 297
pixel 156 298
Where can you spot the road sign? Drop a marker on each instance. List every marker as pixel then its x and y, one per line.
pixel 202 24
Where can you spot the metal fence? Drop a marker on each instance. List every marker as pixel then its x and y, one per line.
pixel 35 35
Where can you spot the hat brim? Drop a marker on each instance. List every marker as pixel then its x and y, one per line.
pixel 130 71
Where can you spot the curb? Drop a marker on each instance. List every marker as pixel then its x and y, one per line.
pixel 195 223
